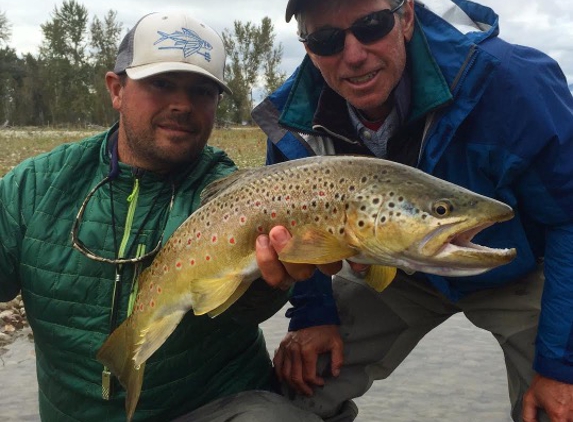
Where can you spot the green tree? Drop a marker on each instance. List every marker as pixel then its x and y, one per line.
pixel 5 29
pixel 66 72
pixel 105 39
pixel 29 106
pixel 11 75
pixel 252 61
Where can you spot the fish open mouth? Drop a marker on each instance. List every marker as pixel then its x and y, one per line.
pixel 458 250
pixel 464 239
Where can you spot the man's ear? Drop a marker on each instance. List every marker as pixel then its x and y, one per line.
pixel 115 89
pixel 408 19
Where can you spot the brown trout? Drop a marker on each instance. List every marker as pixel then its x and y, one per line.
pixel 362 209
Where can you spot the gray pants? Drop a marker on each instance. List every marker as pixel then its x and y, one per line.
pixel 250 406
pixel 380 329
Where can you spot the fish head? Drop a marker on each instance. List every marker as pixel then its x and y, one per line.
pixel 417 222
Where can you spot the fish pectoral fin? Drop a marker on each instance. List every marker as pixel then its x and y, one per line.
pixel 379 277
pixel 208 294
pixel 152 337
pixel 312 245
pixel 241 289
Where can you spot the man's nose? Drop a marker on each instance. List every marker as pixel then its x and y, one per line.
pixel 354 51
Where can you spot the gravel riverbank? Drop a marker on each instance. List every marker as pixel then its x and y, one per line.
pixel 12 321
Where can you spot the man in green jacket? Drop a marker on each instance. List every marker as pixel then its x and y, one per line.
pixel 78 224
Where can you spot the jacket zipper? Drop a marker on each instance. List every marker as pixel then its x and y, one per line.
pixel 106 387
pixel 431 118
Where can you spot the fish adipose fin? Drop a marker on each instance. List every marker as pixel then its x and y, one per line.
pixel 379 277
pixel 315 246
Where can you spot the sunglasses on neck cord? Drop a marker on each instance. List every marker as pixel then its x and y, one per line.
pixel 367 29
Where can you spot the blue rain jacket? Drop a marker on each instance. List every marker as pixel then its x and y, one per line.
pixel 501 124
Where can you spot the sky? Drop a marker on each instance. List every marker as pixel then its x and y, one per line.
pixel 544 24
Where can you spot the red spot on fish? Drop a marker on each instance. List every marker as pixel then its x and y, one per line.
pixel 178 265
pixel 273 214
pixel 207 258
pixel 243 219
pixel 257 203
pixel 150 286
pixel 304 207
pixel 189 241
pixel 192 262
pixel 232 240
pixel 260 229
pixel 287 198
pixel 165 268
pixel 321 193
pixel 214 239
pixel 293 223
pixel 159 290
pixel 141 308
pixel 152 303
pixel 198 235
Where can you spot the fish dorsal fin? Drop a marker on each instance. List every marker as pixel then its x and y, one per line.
pixel 379 276
pixel 312 245
pixel 219 185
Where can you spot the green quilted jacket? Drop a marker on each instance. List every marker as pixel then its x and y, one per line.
pixel 68 297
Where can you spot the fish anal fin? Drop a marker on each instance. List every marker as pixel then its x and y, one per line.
pixel 208 294
pixel 241 289
pixel 312 245
pixel 379 277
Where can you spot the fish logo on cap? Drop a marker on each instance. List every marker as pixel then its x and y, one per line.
pixel 186 40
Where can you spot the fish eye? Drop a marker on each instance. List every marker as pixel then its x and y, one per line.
pixel 442 208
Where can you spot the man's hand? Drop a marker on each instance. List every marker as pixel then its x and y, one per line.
pixel 277 273
pixel 555 397
pixel 295 359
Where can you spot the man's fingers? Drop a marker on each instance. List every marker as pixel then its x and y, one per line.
pixel 271 268
pixel 279 236
pixel 309 369
pixel 336 359
pixel 296 375
pixel 278 361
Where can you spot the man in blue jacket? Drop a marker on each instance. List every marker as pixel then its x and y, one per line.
pixel 432 86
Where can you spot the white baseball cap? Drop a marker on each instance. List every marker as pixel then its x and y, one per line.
pixel 172 42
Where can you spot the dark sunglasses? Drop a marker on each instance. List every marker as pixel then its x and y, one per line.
pixel 367 29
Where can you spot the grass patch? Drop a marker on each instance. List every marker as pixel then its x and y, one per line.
pixel 245 145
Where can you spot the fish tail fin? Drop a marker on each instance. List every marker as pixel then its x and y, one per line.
pixel 379 277
pixel 117 354
pixel 133 389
